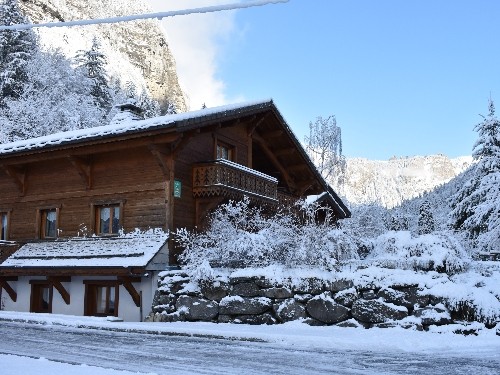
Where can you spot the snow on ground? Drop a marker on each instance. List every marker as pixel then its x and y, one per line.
pixel 14 365
pixel 293 334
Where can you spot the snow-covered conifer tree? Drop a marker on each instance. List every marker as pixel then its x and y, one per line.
pixel 55 98
pixel 324 145
pixel 425 218
pixel 16 49
pixel 476 206
pixel 93 61
pixel 171 108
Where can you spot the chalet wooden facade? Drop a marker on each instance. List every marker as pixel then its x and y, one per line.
pixel 163 173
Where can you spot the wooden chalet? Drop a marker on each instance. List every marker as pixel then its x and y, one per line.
pixel 85 213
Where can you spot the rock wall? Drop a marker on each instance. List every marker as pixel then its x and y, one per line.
pixel 256 300
pixel 137 51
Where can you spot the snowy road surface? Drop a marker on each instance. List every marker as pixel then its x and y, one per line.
pixel 166 354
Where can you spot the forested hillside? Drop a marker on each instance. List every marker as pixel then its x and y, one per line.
pixel 137 51
pixel 46 91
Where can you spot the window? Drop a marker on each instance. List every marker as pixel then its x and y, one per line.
pixel 4 222
pixel 101 298
pixel 224 151
pixel 48 223
pixel 41 297
pixel 107 219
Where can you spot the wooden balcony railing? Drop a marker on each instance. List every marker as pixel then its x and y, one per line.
pixel 223 177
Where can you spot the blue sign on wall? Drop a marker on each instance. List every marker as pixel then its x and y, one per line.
pixel 177 188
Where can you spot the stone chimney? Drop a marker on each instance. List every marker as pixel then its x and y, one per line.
pixel 127 111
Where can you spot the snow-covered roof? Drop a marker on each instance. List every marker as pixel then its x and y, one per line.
pixel 131 250
pixel 247 170
pixel 123 127
pixel 310 199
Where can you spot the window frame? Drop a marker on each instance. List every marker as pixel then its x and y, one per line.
pixel 41 222
pixel 90 299
pixel 5 230
pixel 95 209
pixel 36 296
pixel 222 142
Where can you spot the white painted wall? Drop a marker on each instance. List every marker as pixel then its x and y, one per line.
pixel 127 310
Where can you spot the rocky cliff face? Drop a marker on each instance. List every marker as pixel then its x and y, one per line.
pixel 392 181
pixel 137 51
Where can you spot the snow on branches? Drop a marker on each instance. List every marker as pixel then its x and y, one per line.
pixel 440 252
pixel 240 235
pixel 324 146
pixel 476 206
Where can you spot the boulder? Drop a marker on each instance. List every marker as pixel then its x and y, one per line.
pixel 394 296
pixel 264 283
pixel 313 322
pixel 194 308
pixel 310 285
pixel 433 315
pixel 265 318
pixel 405 325
pixel 377 311
pixel 341 284
pixel 243 279
pixel 214 290
pixel 247 289
pixel 346 297
pixel 369 294
pixel 236 305
pixel 279 293
pixel 415 296
pixel 289 310
pixel 168 318
pixel 326 310
pixel 351 323
pixel 174 284
pixel 303 298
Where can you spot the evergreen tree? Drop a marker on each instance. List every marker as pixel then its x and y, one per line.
pixel 324 145
pixel 150 107
pixel 425 218
pixel 476 206
pixel 94 62
pixel 16 49
pixel 171 108
pixel 130 89
pixel 55 98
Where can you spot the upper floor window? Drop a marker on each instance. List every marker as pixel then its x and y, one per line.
pixel 224 151
pixel 48 223
pixel 108 219
pixel 4 222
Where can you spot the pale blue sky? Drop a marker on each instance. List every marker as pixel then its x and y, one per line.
pixel 402 77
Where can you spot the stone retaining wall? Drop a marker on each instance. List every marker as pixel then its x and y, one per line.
pixel 255 300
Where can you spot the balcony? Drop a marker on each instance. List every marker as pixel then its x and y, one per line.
pixel 226 178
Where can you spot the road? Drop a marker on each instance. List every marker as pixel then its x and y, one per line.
pixel 189 355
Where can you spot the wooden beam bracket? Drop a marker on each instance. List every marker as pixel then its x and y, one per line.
pixel 84 168
pixel 6 286
pixel 270 154
pixel 251 129
pixel 127 283
pixel 164 157
pixel 56 282
pixel 18 174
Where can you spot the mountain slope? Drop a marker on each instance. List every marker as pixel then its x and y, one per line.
pixel 137 51
pixel 391 182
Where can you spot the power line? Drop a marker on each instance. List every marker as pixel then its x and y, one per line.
pixel 159 16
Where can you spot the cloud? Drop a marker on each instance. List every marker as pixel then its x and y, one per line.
pixel 198 43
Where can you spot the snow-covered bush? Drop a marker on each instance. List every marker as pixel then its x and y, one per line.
pixel 440 252
pixel 240 235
